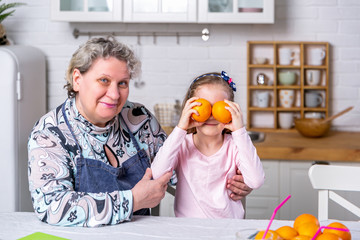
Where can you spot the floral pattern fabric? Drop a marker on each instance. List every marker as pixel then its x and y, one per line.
pixel 53 154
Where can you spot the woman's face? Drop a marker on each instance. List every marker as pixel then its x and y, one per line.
pixel 102 91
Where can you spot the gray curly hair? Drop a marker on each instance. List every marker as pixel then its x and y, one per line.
pixel 96 48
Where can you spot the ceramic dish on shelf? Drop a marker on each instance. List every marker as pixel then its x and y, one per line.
pixel 261 60
pixel 287 78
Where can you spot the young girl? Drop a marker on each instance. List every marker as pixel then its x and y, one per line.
pixel 204 155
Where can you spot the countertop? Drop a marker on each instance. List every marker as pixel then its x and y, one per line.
pixel 335 146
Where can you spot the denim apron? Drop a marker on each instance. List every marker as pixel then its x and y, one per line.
pixel 95 176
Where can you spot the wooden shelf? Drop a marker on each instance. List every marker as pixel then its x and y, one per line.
pixel 287 67
pixel 268 116
pixel 288 87
pixel 261 87
pixel 260 66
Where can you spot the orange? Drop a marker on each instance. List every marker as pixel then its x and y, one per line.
pixel 260 235
pixel 204 110
pixel 220 113
pixel 269 235
pixel 304 218
pixel 287 232
pixel 301 237
pixel 328 236
pixel 342 234
pixel 308 229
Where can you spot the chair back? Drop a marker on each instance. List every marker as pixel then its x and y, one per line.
pixel 329 178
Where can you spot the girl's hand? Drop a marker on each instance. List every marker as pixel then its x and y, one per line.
pixel 186 122
pixel 236 114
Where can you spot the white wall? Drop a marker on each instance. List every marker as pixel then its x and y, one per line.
pixel 168 67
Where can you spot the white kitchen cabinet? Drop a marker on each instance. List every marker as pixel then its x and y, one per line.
pixel 281 179
pixel 260 203
pixel 167 206
pixel 236 11
pixel 294 180
pixel 86 10
pixel 291 177
pixel 179 11
pixel 164 11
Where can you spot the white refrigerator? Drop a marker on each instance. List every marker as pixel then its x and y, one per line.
pixel 23 102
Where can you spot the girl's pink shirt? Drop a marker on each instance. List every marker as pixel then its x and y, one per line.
pixel 201 189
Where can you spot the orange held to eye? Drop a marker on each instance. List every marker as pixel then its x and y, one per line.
pixel 220 113
pixel 204 110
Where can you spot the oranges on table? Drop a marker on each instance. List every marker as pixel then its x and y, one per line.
pixel 301 237
pixel 220 113
pixel 273 235
pixel 305 227
pixel 305 218
pixel 344 235
pixel 328 236
pixel 286 232
pixel 260 235
pixel 308 229
pixel 204 110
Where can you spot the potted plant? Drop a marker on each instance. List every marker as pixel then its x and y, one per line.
pixel 4 13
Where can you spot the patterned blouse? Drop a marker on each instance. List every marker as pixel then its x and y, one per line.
pixel 52 159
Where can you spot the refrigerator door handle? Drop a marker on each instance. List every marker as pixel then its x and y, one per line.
pixel 18 86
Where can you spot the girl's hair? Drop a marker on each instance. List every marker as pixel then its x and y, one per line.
pixel 96 48
pixel 213 78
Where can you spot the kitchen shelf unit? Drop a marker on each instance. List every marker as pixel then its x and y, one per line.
pixel 266 118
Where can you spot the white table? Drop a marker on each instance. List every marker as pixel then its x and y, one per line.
pixel 21 224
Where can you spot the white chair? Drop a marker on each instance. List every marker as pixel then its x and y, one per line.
pixel 329 178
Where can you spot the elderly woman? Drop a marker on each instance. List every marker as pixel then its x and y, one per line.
pixel 89 158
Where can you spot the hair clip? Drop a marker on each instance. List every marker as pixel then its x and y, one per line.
pixel 228 79
pixel 224 76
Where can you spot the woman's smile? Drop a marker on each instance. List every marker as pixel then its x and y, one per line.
pixel 109 105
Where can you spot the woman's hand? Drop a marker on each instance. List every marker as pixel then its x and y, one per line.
pixel 237 186
pixel 236 115
pixel 147 193
pixel 186 122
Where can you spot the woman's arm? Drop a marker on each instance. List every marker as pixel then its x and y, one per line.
pixel 237 186
pixel 51 182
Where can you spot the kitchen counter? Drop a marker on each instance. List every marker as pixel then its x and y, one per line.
pixel 335 146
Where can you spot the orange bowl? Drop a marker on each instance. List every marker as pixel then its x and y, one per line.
pixel 311 127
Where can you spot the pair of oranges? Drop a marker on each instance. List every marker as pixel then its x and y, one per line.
pixel 304 228
pixel 218 110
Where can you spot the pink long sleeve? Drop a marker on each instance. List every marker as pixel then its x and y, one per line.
pixel 247 159
pixel 167 156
